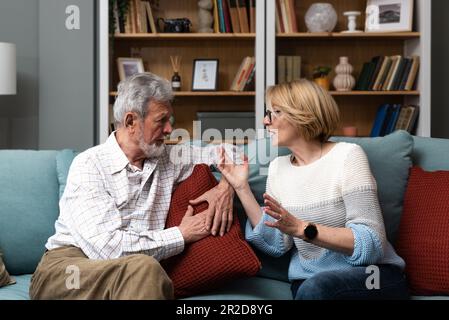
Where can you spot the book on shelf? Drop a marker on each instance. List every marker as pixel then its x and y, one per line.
pixel 379 120
pixel 221 18
pixel 286 16
pixel 398 74
pixel 407 67
pixel 365 76
pixel 407 118
pixel 216 19
pixel 387 119
pixel 378 61
pixel 288 68
pixel 232 4
pixel 138 19
pixel 395 110
pixel 382 74
pixel 227 17
pixel 150 18
pixel 388 73
pixel 243 16
pixel 243 74
pixel 413 74
pixel 252 15
pixel 392 117
pixel 278 19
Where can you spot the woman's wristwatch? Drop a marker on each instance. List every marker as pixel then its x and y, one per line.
pixel 310 231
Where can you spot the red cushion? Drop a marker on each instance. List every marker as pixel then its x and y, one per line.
pixel 423 240
pixel 212 261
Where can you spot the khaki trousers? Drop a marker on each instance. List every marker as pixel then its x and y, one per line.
pixel 66 273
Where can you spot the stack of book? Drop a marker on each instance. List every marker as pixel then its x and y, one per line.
pixel 286 16
pixel 388 73
pixel 288 68
pixel 138 19
pixel 244 79
pixel 392 117
pixel 237 16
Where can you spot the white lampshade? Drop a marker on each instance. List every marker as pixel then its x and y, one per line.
pixel 8 82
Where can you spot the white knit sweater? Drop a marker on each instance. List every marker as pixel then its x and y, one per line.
pixel 338 190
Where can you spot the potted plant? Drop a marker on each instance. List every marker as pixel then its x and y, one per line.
pixel 321 76
pixel 122 7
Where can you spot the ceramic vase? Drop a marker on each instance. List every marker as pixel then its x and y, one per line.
pixel 321 17
pixel 344 81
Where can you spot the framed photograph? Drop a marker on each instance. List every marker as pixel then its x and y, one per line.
pixel 205 75
pixel 129 66
pixel 389 15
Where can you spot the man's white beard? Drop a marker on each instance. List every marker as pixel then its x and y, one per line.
pixel 150 150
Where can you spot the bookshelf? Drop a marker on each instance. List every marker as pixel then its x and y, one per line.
pixel 358 108
pixel 155 50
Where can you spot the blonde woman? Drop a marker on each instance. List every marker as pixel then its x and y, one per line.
pixel 321 201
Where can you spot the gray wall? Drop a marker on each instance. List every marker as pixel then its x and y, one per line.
pixel 66 76
pixel 19 113
pixel 440 69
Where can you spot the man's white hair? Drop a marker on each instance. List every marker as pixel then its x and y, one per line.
pixel 137 91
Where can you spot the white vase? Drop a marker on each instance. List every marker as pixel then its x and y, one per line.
pixel 344 81
pixel 321 17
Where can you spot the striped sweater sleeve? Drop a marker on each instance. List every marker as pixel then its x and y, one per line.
pixel 269 240
pixel 363 212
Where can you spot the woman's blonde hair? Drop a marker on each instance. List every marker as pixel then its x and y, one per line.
pixel 307 106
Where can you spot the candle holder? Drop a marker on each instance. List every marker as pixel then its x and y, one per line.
pixel 352 21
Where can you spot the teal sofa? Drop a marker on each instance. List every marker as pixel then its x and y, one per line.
pixel 32 182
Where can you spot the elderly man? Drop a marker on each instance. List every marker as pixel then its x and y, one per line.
pixel 111 232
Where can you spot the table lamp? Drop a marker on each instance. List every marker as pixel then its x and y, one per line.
pixel 8 80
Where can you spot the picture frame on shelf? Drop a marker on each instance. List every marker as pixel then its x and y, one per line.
pixel 389 16
pixel 205 75
pixel 129 66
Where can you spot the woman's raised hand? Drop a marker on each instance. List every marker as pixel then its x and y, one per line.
pixel 235 174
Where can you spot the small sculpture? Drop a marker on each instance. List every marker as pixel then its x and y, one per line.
pixel 352 21
pixel 344 81
pixel 205 17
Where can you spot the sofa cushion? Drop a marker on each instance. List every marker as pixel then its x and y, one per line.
pixel 212 261
pixel 5 278
pixel 29 206
pixel 422 241
pixel 390 160
pixel 254 288
pixel 430 153
pixel 18 291
pixel 64 159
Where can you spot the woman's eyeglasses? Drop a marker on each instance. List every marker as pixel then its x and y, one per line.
pixel 272 114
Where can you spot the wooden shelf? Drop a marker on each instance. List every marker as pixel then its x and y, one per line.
pixel 207 93
pixel 186 36
pixel 361 35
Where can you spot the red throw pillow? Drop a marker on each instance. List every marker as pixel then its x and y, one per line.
pixel 423 240
pixel 214 260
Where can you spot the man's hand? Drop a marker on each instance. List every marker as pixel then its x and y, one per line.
pixel 219 213
pixel 192 226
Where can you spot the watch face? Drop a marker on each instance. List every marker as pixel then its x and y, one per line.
pixel 310 231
